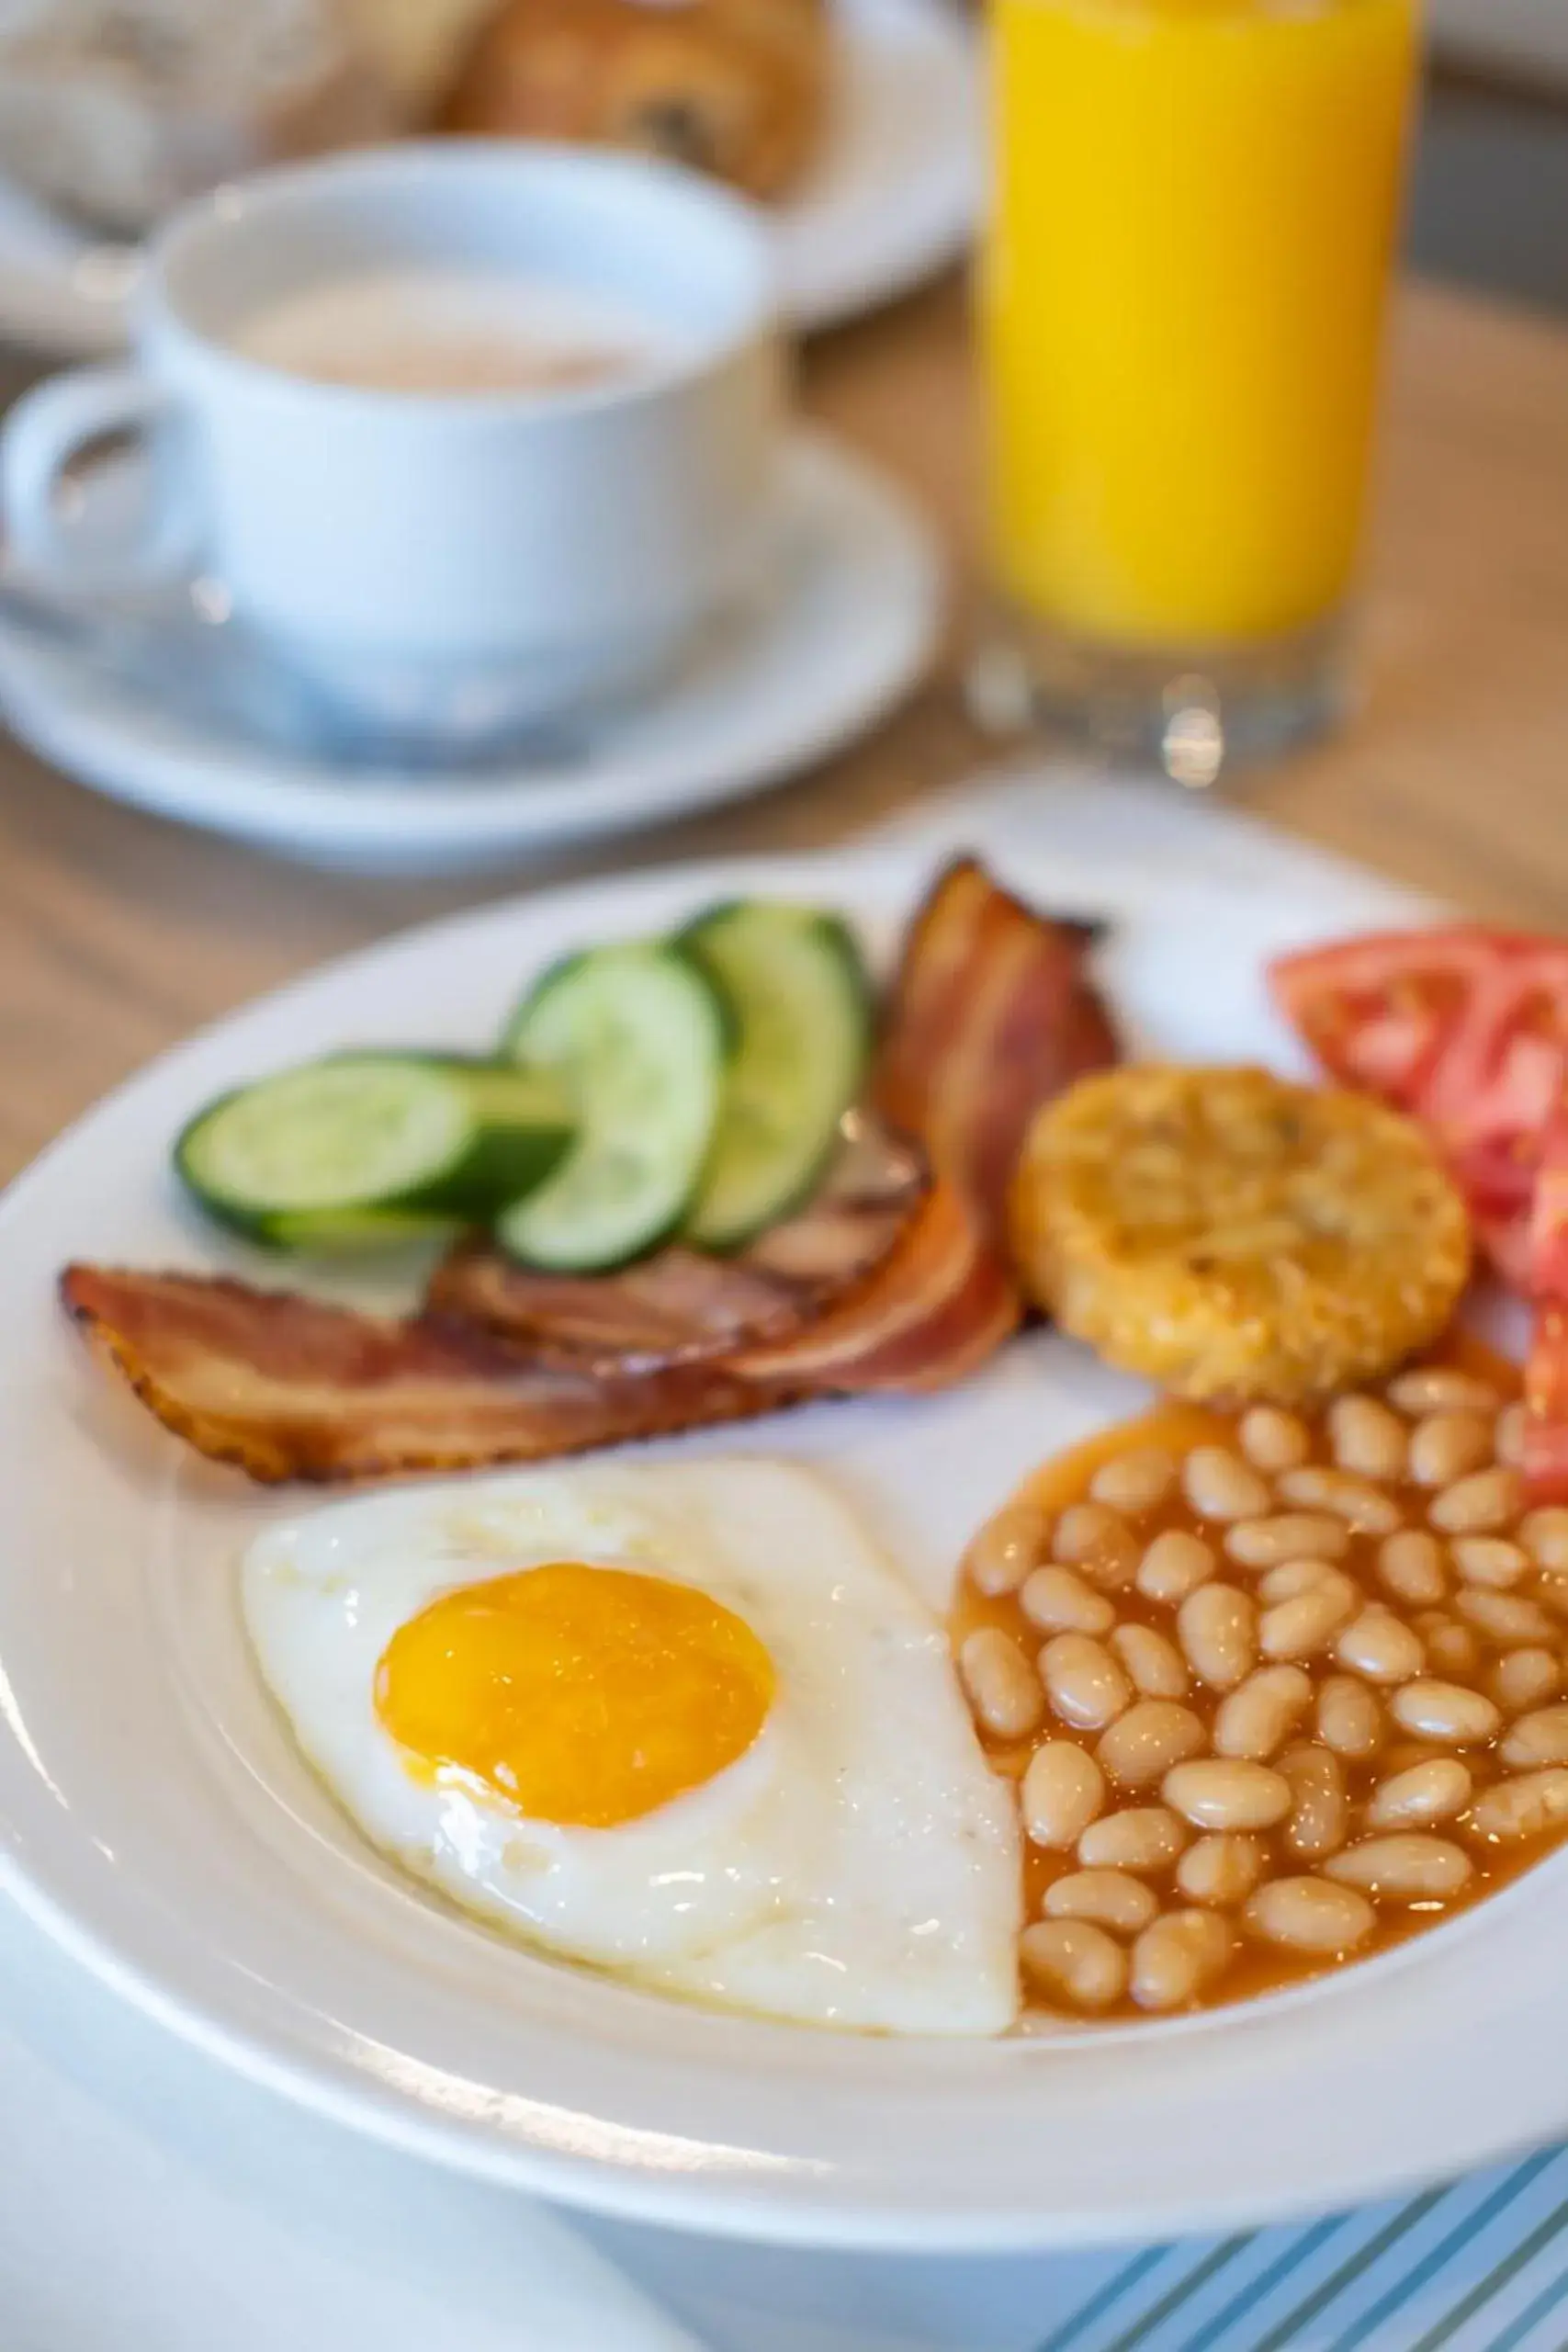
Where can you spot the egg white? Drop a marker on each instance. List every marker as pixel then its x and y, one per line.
pixel 858 1866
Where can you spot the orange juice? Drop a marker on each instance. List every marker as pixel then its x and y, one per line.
pixel 1196 208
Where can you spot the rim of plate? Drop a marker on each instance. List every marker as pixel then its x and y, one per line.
pixel 829 652
pixel 1399 2071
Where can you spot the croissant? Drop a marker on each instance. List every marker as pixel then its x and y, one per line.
pixel 735 88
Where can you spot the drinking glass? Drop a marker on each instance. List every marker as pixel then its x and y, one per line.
pixel 1195 211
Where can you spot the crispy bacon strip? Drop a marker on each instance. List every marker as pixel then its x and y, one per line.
pixel 993 1013
pixel 679 1307
pixel 287 1387
pixel 675 1307
pixel 936 1307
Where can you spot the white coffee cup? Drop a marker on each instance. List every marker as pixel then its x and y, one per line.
pixel 454 565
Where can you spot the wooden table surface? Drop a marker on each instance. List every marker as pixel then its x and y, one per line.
pixel 118 933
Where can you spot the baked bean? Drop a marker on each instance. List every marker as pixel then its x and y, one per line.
pixel 1364 1507
pixel 1553 1591
pixel 1175 1565
pixel 1084 1683
pixel 1294 1577
pixel 1525 1678
pixel 1489 1560
pixel 1002 1690
pixel 1227 1796
pixel 1075 1961
pixel 1544 1535
pixel 1320 1817
pixel 1301 1627
pixel 1449 1446
pixel 1436 1388
pixel 1452 1647
pixel 1143 1745
pixel 1478 1505
pixel 1349 1719
pixel 1538 1739
pixel 1505 1617
pixel 1411 1564
pixel 1099 1541
pixel 1259 1715
pixel 1445 1711
pixel 1220 1485
pixel 1510 1437
pixel 1059 1601
pixel 1146 1837
pixel 1149 1741
pixel 1109 1899
pixel 1367 1438
pixel 1006 1548
pixel 1527 1807
pixel 1217 1626
pixel 1174 1958
pixel 1432 1792
pixel 1310 1915
pixel 1132 1482
pixel 1221 1869
pixel 1273 1441
pixel 1289 1535
pixel 1407 1867
pixel 1064 1791
pixel 1156 1667
pixel 1382 1646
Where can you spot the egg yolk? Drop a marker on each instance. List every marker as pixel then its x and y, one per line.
pixel 581 1695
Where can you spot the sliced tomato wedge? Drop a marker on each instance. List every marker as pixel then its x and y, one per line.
pixel 1378 1011
pixel 1467 1030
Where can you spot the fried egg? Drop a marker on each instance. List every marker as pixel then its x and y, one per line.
pixel 682 1722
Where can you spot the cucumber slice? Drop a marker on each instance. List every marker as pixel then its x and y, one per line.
pixel 373 1147
pixel 637 1035
pixel 801 1006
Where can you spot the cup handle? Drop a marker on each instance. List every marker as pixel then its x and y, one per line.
pixel 49 427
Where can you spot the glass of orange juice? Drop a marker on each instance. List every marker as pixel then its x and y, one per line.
pixel 1194 217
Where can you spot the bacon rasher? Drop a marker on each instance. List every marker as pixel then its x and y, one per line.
pixel 287 1387
pixel 682 1306
pixel 993 1013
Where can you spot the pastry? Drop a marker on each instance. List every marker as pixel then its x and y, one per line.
pixel 417 45
pixel 737 88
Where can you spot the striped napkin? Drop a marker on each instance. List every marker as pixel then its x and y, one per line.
pixel 1481 2266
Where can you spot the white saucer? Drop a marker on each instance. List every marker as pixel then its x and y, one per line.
pixel 893 198
pixel 845 629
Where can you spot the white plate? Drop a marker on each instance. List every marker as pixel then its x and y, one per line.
pixel 843 631
pixel 153 1813
pixel 893 199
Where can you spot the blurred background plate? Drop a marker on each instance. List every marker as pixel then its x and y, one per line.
pixel 894 197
